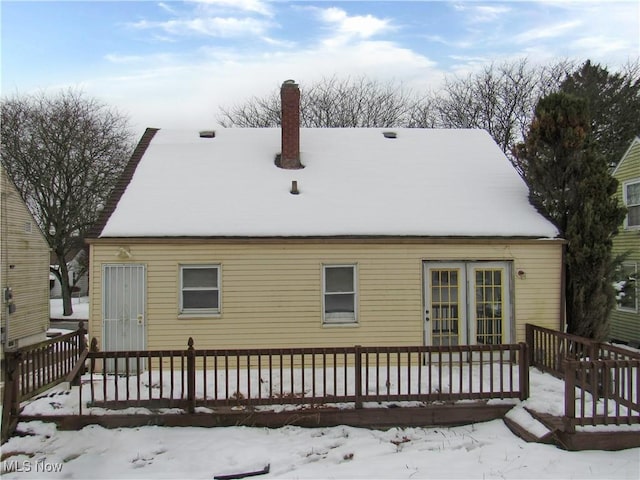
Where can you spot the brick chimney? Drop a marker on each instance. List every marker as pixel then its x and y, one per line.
pixel 290 125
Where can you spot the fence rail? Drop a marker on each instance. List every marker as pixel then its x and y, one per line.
pixel 194 378
pixel 601 392
pixel 35 368
pixel 601 380
pixel 548 349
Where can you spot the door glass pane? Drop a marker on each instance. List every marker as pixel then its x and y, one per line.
pixel 489 306
pixel 445 307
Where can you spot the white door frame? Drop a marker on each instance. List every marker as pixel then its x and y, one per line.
pixel 123 309
pixel 469 294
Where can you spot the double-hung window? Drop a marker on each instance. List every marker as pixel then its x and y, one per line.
pixel 632 202
pixel 200 289
pixel 626 286
pixel 339 294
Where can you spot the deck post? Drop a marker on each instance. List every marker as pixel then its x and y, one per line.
pixel 10 400
pixel 358 379
pixel 524 371
pixel 529 340
pixel 569 368
pixel 82 346
pixel 191 377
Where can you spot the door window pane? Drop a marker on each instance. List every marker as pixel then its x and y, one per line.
pixel 445 307
pixel 489 311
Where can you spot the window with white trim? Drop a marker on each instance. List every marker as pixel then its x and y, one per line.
pixel 200 289
pixel 339 296
pixel 626 287
pixel 632 202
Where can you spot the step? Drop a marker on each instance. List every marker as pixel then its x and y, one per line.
pixel 520 421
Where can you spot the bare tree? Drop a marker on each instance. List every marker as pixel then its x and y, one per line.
pixel 257 112
pixel 332 102
pixel 64 153
pixel 500 99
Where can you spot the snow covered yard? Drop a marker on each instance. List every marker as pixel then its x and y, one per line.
pixel 484 450
pixel 487 450
pixel 80 309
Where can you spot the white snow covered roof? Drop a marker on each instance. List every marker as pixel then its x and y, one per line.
pixel 424 182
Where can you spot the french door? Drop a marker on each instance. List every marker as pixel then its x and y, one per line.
pixel 467 303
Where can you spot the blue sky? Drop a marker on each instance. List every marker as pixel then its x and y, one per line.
pixel 171 64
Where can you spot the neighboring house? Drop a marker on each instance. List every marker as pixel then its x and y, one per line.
pixel 24 271
pixel 385 237
pixel 625 318
pixel 78 275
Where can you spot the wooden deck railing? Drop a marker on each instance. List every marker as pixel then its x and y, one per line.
pixel 601 380
pixel 312 376
pixel 601 392
pixel 549 348
pixel 35 368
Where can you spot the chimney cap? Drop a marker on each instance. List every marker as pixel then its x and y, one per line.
pixel 289 82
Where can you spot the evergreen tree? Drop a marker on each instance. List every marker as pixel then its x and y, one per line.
pixel 570 184
pixel 613 100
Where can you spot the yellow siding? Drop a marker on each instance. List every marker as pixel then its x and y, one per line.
pixel 272 293
pixel 625 325
pixel 24 267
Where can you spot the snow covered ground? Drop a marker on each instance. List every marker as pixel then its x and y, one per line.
pixel 80 309
pixel 485 450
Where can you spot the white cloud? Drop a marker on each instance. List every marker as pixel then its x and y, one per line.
pixel 175 92
pixel 550 31
pixel 457 43
pixel 482 13
pixel 209 26
pixel 602 45
pixel 253 6
pixel 363 26
pixel 345 28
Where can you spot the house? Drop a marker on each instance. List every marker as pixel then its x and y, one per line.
pixel 78 276
pixel 24 271
pixel 625 318
pixel 320 237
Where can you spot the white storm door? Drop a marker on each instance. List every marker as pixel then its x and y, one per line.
pixel 123 310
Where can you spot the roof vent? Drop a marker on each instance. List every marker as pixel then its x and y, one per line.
pixel 389 134
pixel 294 188
pixel 207 133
